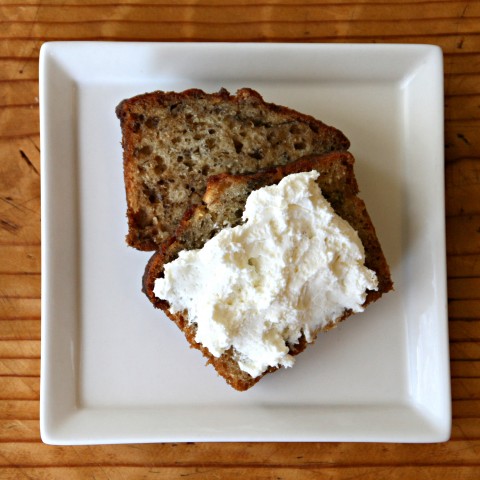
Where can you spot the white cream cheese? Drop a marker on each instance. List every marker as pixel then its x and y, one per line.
pixel 291 268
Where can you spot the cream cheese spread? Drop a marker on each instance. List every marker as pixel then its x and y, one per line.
pixel 292 267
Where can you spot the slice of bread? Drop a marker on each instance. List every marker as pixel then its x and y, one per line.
pixel 224 202
pixel 173 141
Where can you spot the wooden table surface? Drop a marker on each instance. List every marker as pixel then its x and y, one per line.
pixel 26 24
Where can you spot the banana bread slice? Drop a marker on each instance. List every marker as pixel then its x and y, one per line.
pixel 173 141
pixel 224 202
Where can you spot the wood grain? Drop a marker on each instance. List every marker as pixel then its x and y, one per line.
pixel 26 24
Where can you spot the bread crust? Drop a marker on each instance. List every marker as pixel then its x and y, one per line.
pixel 339 186
pixel 172 142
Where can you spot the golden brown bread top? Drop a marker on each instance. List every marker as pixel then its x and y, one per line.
pixel 172 142
pixel 224 202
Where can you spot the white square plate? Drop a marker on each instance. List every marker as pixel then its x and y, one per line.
pixel 114 370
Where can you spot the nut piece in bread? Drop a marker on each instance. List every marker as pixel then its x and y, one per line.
pixel 224 202
pixel 173 141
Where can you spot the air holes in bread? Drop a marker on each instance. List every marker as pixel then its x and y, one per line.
pixel 238 145
pixel 152 122
pixel 256 154
pixel 142 152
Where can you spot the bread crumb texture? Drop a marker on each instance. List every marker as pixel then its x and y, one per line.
pixel 174 141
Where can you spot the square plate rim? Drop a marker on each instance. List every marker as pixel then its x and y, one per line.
pixel 48 435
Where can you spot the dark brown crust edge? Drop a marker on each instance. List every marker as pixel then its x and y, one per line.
pixel 223 95
pixel 375 259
